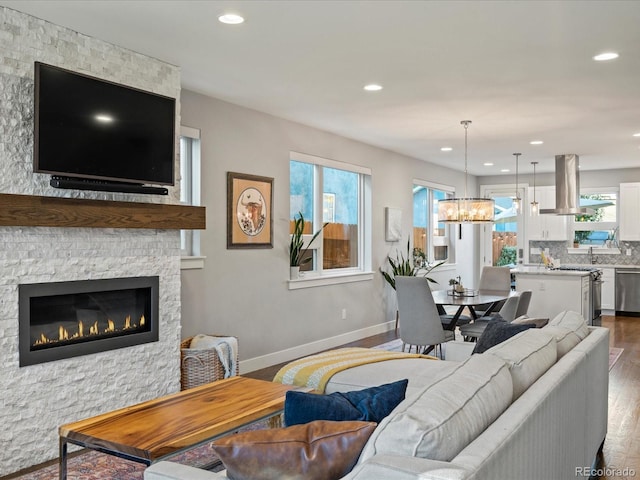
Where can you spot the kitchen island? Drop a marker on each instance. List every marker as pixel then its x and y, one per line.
pixel 555 290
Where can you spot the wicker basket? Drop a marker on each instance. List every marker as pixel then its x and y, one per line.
pixel 198 366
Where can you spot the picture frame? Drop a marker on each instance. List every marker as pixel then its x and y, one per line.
pixel 249 211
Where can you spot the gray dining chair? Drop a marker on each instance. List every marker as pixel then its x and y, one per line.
pixel 496 279
pixel 420 323
pixel 523 304
pixel 508 311
pixel 493 279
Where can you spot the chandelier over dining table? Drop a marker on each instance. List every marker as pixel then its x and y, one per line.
pixel 465 209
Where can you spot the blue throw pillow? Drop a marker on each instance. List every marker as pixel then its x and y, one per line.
pixel 497 331
pixel 368 405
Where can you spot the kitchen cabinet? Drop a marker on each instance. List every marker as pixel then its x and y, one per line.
pixel 608 288
pixel 547 226
pixel 555 291
pixel 629 206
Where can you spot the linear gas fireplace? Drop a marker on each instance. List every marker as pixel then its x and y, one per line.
pixel 68 319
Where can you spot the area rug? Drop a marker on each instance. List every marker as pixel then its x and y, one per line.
pixel 92 465
pixel 393 346
pixel 614 355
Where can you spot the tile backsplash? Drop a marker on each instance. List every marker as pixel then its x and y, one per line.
pixel 560 251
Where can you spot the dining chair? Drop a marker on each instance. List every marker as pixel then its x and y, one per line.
pixel 508 311
pixel 447 318
pixel 420 323
pixel 523 304
pixel 493 279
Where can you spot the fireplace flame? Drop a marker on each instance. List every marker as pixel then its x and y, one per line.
pixel 65 335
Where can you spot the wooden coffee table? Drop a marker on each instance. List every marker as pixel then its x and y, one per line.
pixel 153 430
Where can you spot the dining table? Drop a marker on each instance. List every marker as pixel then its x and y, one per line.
pixel 491 298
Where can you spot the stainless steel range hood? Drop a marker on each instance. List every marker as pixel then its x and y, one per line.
pixel 567 187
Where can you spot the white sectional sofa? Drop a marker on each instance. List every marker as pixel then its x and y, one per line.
pixel 533 407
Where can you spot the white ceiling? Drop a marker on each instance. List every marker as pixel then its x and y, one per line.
pixel 520 70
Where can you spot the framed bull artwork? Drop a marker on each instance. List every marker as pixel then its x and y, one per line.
pixel 249 211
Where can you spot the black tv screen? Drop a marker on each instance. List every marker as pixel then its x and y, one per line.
pixel 94 129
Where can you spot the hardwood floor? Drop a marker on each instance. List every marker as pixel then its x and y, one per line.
pixel 622 446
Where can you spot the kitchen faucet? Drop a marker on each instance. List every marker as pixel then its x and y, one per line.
pixel 592 258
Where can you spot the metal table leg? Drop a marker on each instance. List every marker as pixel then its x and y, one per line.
pixel 63 459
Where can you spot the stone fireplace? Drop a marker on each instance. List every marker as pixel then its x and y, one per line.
pixel 36 399
pixel 68 319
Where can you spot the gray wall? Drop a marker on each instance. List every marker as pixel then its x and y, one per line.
pixel 245 292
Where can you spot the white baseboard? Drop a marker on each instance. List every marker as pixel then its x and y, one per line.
pixel 256 363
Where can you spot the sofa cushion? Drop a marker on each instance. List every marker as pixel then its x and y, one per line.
pixel 566 338
pixel 497 332
pixel 569 328
pixel 316 450
pixel 524 320
pixel 419 371
pixel 439 421
pixel 573 321
pixel 368 405
pixel 529 355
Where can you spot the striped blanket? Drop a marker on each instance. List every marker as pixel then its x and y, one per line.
pixel 316 370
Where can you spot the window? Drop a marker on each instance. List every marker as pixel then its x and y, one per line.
pixel 431 239
pixel 189 185
pixel 338 194
pixel 599 228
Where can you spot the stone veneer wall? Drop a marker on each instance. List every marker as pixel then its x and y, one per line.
pixel 36 400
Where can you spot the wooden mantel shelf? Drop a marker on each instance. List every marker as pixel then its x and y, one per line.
pixel 35 211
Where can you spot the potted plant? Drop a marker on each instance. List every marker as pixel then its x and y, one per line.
pixel 456 284
pixel 401 266
pixel 297 250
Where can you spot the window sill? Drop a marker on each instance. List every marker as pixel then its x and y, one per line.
pixel 317 281
pixel 191 263
pixel 442 268
pixel 595 251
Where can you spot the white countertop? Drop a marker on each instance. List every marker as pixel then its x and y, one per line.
pixel 535 270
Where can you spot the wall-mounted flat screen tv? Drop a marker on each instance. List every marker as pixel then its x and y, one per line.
pixel 91 129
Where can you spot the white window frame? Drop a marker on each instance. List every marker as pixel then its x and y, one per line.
pixel 190 181
pixel 320 276
pixel 449 229
pixel 594 226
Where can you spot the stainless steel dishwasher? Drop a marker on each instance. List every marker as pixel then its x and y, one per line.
pixel 628 291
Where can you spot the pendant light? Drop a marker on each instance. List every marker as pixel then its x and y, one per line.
pixel 535 207
pixel 517 202
pixel 466 210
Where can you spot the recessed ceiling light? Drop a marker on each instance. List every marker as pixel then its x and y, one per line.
pixel 446 149
pixel 636 134
pixel 488 164
pixel 373 87
pixel 231 18
pixel 536 142
pixel 504 170
pixel 603 57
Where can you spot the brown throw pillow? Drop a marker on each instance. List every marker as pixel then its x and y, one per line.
pixel 319 450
